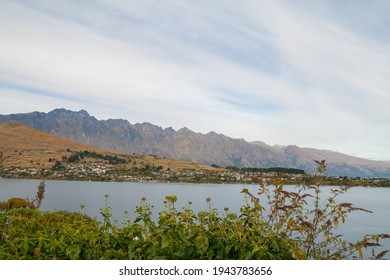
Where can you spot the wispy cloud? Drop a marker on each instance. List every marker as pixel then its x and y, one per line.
pixel 285 72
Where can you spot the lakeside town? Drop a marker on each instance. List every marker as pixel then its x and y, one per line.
pixel 113 172
pixel 117 171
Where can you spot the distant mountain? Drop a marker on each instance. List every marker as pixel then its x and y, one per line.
pixel 23 146
pixel 211 148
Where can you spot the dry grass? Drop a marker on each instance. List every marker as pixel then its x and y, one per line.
pixel 23 146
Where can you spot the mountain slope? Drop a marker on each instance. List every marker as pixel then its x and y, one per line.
pixel 23 146
pixel 337 163
pixel 211 148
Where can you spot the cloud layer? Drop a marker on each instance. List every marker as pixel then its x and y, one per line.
pixel 284 72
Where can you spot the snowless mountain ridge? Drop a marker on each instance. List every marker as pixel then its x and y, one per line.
pixel 211 148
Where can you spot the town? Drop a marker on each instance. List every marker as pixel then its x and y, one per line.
pixel 91 166
pixel 115 172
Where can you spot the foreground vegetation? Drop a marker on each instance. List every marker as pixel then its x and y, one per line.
pixel 289 225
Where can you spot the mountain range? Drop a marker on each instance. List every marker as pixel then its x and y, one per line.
pixel 212 148
pixel 26 147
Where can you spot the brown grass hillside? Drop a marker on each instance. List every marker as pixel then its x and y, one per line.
pixel 22 146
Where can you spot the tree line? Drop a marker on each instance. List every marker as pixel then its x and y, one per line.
pixel 267 170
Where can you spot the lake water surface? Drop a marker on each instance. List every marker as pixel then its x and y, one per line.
pixel 69 195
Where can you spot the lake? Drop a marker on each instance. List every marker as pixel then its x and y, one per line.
pixel 69 195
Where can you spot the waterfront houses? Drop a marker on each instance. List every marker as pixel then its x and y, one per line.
pixel 100 171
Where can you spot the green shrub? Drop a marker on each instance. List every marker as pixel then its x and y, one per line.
pixel 3 205
pixel 30 234
pixel 206 235
pixel 15 202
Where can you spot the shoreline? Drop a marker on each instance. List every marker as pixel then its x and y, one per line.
pixel 251 179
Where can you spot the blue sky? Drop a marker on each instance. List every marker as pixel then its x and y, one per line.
pixel 310 73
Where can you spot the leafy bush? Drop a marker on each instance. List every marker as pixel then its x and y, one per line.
pixel 15 202
pixel 206 235
pixel 30 234
pixel 3 205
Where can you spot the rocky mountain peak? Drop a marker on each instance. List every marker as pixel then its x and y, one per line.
pixel 211 148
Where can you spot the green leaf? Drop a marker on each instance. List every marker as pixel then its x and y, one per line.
pixel 165 241
pixel 275 245
pixel 73 251
pixel 25 244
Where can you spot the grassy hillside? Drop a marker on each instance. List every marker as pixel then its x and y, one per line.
pixel 22 146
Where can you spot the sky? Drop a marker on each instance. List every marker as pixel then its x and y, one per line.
pixel 306 73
